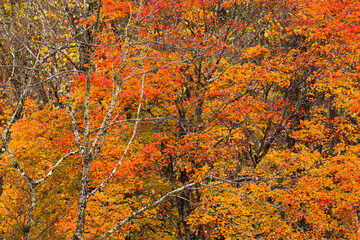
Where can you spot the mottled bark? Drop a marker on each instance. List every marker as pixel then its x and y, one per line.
pixel 83 199
pixel 31 212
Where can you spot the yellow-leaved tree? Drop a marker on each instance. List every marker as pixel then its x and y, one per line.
pixel 165 119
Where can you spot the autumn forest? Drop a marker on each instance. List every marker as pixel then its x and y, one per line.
pixel 179 119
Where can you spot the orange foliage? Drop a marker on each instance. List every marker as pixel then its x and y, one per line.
pixel 259 97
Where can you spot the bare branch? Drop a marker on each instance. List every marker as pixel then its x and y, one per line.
pixel 129 142
pixel 55 166
pixel 149 206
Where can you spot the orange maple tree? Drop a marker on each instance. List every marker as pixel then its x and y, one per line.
pixel 193 119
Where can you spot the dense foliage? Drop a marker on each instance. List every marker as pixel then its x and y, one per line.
pixel 167 119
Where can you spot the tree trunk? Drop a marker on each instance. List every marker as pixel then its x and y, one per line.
pixel 83 199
